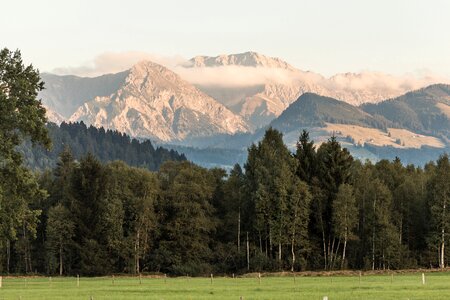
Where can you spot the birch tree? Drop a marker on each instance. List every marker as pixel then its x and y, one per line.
pixel 439 197
pixel 60 230
pixel 298 217
pixel 345 217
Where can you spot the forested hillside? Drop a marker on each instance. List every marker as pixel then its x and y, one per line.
pixel 312 110
pixel 106 145
pixel 425 110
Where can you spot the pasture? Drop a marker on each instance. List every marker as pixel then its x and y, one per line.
pixel 382 286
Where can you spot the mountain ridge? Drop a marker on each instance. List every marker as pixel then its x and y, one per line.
pixel 154 102
pixel 65 93
pixel 248 59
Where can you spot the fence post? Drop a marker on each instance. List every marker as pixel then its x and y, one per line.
pixel 165 278
pixel 78 280
pixel 140 278
pixel 423 278
pixel 1 278
pixel 259 277
pixel 113 279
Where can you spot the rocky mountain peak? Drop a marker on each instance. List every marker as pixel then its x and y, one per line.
pixel 246 59
pixel 154 102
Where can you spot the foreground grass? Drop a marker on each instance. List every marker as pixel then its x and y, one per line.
pixel 404 286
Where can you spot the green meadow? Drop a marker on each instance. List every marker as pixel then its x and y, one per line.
pixel 386 286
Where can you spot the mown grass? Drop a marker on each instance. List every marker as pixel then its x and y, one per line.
pixel 400 286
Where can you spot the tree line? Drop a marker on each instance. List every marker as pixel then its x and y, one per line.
pixel 106 145
pixel 315 209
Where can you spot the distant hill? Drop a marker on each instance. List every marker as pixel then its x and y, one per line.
pixel 105 145
pixel 425 111
pixel 211 157
pixel 312 110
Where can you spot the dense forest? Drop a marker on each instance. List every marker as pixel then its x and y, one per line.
pixel 317 209
pixel 106 145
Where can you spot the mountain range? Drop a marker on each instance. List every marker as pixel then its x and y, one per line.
pixel 226 102
pixel 260 88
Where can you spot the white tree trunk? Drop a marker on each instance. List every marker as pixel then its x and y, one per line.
pixel 293 253
pixel 343 251
pixel 248 254
pixel 60 261
pixel 279 251
pixel 441 260
pixel 239 232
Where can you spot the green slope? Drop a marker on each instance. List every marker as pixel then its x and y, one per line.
pixel 312 110
pixel 417 111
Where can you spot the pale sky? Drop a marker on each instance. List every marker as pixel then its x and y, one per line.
pixel 325 36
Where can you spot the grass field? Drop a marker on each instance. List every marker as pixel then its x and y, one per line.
pixel 386 286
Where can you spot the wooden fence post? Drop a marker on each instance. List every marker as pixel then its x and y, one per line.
pixel 423 278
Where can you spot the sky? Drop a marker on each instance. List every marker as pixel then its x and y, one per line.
pixel 324 36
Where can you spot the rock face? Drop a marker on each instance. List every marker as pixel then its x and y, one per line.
pixel 64 94
pixel 156 103
pixel 53 116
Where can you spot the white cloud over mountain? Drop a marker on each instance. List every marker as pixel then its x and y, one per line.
pixel 114 62
pixel 233 75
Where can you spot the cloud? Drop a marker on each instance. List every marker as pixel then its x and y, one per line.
pixel 367 80
pixel 236 76
pixel 223 76
pixel 232 76
pixel 114 62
